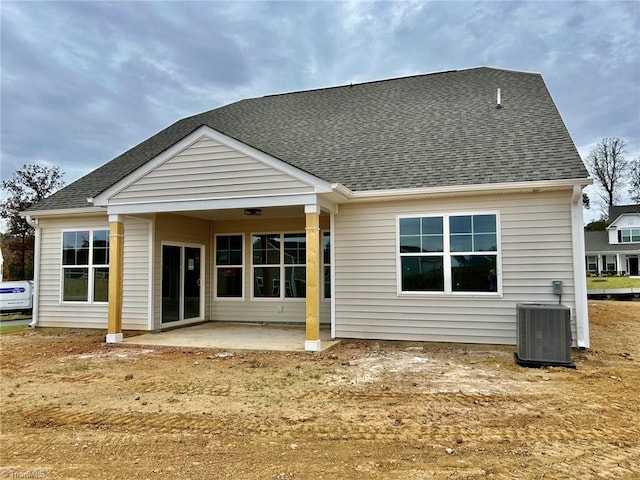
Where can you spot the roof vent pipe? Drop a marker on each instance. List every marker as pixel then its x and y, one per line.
pixel 498 100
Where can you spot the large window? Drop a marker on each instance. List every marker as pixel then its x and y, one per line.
pixel 279 265
pixel 229 266
pixel 448 253
pixel 630 235
pixel 85 266
pixel 592 263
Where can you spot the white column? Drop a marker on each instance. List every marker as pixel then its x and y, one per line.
pixel 618 269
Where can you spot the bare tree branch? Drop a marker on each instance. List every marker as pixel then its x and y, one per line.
pixel 608 166
pixel 634 180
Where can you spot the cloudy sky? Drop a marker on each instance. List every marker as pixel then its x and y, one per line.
pixel 84 81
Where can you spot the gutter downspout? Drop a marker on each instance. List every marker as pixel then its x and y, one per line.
pixel 36 269
pixel 579 273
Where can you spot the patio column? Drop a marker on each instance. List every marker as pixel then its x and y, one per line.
pixel 312 229
pixel 116 251
pixel 618 264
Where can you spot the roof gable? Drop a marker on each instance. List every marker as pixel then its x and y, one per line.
pixel 424 131
pixel 208 165
pixel 628 220
pixel 616 211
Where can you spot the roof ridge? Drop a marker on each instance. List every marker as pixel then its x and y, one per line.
pixel 368 82
pixel 358 84
pixel 404 77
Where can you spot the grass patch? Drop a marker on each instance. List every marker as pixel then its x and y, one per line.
pixel 70 368
pixel 12 328
pixel 14 316
pixel 599 283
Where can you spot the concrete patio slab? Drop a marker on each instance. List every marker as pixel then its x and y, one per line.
pixel 233 336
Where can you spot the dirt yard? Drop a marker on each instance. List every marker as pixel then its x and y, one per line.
pixel 73 407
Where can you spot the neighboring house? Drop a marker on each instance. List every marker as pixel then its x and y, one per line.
pixel 405 209
pixel 616 250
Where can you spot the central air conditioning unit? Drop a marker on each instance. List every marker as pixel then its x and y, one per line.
pixel 544 335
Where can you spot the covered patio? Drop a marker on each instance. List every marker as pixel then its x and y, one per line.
pixel 234 336
pixel 245 237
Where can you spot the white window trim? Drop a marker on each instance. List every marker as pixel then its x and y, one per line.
pixel 446 254
pixel 282 265
pixel 215 268
pixel 630 230
pixel 90 266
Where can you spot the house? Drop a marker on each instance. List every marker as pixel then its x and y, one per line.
pixel 616 250
pixel 419 208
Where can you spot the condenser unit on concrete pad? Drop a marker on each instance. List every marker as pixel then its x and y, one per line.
pixel 544 335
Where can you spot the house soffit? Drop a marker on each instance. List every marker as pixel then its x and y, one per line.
pixel 204 132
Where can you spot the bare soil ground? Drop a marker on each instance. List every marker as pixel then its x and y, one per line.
pixel 73 407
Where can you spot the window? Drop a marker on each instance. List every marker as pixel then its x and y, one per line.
pixel 295 259
pixel 85 266
pixel 279 265
pixel 229 266
pixel 422 254
pixel 326 262
pixel 449 253
pixel 630 235
pixel 592 265
pixel 609 263
pixel 266 269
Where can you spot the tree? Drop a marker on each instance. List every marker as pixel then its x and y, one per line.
pixel 596 225
pixel 27 186
pixel 17 266
pixel 586 201
pixel 634 180
pixel 608 166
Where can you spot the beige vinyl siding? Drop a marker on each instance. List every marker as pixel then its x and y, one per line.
pixel 52 311
pixel 263 310
pixel 209 170
pixel 55 313
pixel 536 248
pixel 135 274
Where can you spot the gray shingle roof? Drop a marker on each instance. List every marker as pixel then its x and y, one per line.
pixel 617 210
pixel 598 241
pixel 422 131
